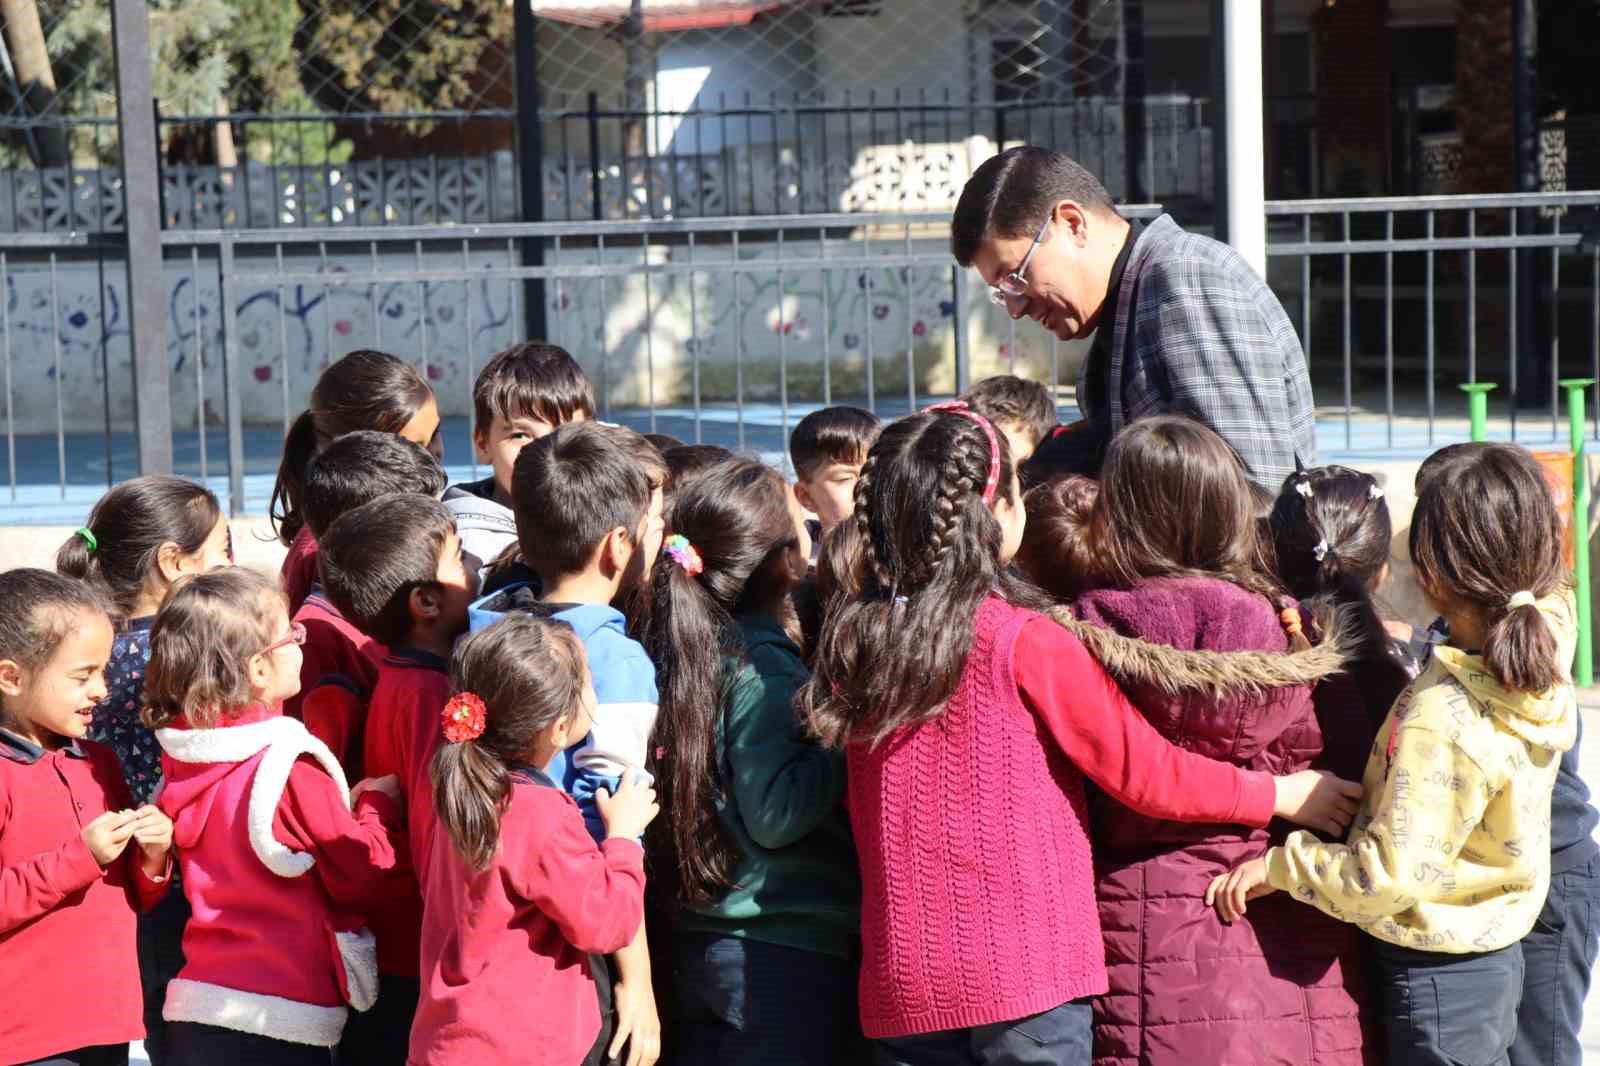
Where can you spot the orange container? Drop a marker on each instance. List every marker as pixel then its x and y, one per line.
pixel 1557 467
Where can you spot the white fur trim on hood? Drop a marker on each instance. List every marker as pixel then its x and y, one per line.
pixel 358 960
pixel 284 740
pixel 254 1012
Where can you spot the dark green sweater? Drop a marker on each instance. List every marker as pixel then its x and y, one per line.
pixel 782 801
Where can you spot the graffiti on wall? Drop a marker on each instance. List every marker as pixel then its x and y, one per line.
pixel 640 337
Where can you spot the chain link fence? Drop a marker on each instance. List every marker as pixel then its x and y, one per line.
pixel 284 113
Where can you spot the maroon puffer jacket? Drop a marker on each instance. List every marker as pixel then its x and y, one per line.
pixel 1285 985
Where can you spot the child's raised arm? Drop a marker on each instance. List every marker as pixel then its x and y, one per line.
pixel 38 884
pixel 594 894
pixel 353 849
pixel 1433 798
pixel 1112 743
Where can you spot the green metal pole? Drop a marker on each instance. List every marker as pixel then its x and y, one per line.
pixel 1583 668
pixel 1478 407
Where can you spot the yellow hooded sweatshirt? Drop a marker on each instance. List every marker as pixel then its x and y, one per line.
pixel 1451 849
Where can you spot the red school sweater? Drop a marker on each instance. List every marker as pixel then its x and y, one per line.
pixel 66 925
pixel 299 568
pixel 403 732
pixel 977 879
pixel 505 977
pixel 336 654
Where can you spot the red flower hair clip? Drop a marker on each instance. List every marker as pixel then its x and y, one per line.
pixel 464 718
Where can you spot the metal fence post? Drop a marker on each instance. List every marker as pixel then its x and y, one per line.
pixel 959 283
pixel 141 206
pixel 530 162
pixel 1583 668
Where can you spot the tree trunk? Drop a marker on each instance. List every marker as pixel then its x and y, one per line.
pixel 633 131
pixel 1353 105
pixel 24 38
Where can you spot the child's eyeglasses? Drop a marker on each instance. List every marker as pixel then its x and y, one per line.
pixel 296 635
pixel 1015 284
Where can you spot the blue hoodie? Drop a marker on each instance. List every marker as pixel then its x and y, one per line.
pixel 624 687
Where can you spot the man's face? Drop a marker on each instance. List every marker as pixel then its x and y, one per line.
pixel 1065 287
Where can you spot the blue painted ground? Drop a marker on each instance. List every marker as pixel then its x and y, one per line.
pixel 56 480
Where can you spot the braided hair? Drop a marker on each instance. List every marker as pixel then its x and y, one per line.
pixel 929 552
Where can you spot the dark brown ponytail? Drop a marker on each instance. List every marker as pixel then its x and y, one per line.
pixel 129 525
pixel 1486 529
pixel 364 390
pixel 735 514
pixel 528 672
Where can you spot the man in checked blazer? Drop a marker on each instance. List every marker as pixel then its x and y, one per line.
pixel 1182 324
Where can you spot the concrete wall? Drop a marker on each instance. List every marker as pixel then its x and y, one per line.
pixel 615 328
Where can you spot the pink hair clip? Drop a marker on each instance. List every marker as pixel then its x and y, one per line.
pixel 964 410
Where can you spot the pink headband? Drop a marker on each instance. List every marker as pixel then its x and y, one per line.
pixel 960 407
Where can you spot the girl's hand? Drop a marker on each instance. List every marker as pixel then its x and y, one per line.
pixel 108 835
pixel 638 1024
pixel 153 833
pixel 1229 892
pixel 1317 800
pixel 389 785
pixel 628 812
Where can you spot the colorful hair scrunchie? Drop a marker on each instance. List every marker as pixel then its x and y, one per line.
pixel 87 536
pixel 964 410
pixel 464 717
pixel 683 553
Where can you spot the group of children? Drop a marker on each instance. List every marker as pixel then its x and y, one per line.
pixel 956 760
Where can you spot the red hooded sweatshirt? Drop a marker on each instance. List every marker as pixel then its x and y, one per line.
pixel 275 866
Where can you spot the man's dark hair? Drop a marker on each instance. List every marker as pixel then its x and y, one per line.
pixel 571 488
pixel 1007 400
pixel 359 467
pixel 1011 194
pixel 831 435
pixel 371 558
pixel 531 380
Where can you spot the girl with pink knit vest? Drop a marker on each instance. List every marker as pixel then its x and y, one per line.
pixel 969 723
pixel 274 860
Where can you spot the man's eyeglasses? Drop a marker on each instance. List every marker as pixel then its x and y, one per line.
pixel 1015 284
pixel 296 635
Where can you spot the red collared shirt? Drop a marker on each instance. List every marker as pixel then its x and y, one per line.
pixel 67 925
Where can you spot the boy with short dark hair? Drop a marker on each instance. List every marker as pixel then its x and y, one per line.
pixel 395 568
pixel 588 505
pixel 340 663
pixel 1023 410
pixel 521 394
pixel 827 449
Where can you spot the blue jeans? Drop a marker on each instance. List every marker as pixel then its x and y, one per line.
pixel 745 1003
pixel 1061 1036
pixel 1558 955
pixel 1449 1010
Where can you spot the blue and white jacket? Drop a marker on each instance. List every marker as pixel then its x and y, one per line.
pixel 624 686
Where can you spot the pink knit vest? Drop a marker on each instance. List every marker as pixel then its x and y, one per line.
pixel 977 881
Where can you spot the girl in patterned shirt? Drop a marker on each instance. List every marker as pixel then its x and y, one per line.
pixel 140 538
pixel 1448 863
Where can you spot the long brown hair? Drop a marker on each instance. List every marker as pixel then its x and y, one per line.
pixel 364 390
pixel 1484 529
pixel 528 672
pixel 736 516
pixel 929 548
pixel 1175 501
pixel 130 524
pixel 201 644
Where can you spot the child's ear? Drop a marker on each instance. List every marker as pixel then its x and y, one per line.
pixel 480 445
pixel 169 561
pixel 802 492
pixel 424 603
pixel 616 552
pixel 258 672
pixel 11 680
